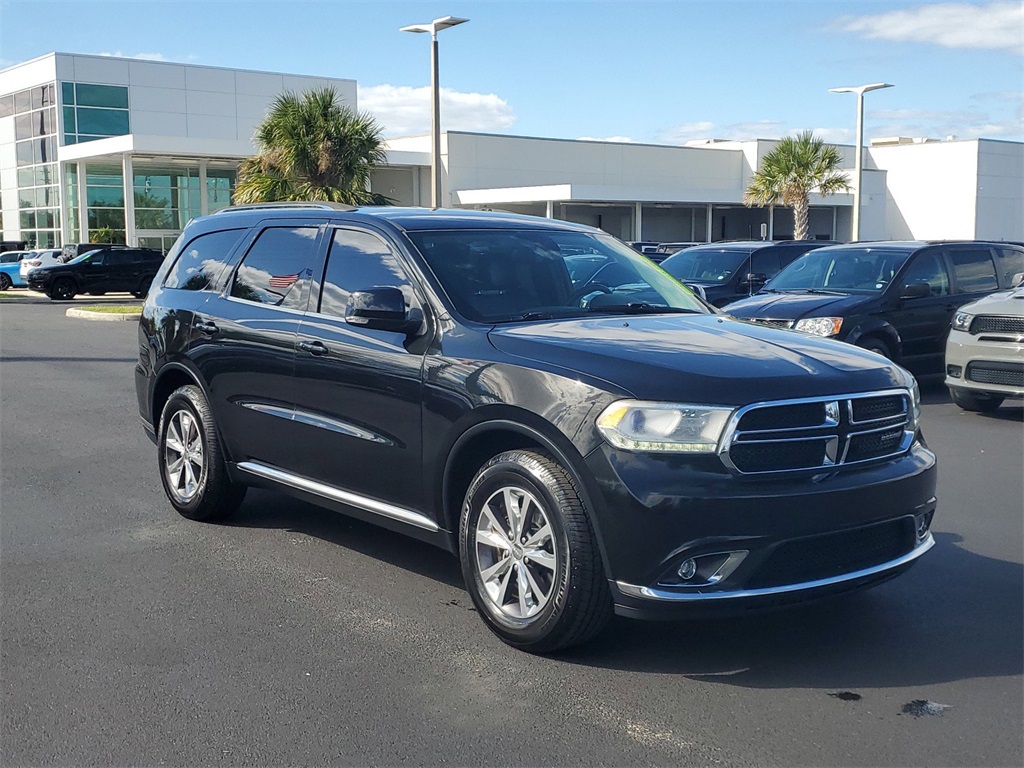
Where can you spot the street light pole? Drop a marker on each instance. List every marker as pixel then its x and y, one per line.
pixel 858 161
pixel 435 94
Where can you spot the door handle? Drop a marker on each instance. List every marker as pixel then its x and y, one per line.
pixel 205 327
pixel 313 347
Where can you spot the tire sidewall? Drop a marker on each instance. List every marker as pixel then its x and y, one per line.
pixel 5 281
pixel 182 399
pixel 496 475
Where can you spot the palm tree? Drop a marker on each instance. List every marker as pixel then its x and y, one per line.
pixel 313 147
pixel 796 167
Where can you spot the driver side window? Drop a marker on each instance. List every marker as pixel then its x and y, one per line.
pixel 929 268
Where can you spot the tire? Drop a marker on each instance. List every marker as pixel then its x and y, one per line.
pixel 63 289
pixel 211 495
pixel 566 600
pixel 975 401
pixel 5 281
pixel 143 288
pixel 876 345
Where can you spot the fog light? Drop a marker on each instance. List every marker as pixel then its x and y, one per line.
pixel 688 569
pixel 954 371
pixel 923 522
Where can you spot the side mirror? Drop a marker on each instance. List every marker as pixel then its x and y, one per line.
pixel 382 309
pixel 1017 280
pixel 698 289
pixel 754 280
pixel 916 291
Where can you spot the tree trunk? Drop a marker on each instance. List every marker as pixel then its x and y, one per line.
pixel 800 219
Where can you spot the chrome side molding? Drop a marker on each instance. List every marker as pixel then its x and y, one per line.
pixel 338 494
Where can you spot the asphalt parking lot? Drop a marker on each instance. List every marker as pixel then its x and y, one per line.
pixel 130 636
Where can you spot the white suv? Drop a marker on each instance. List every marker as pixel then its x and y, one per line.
pixel 45 258
pixel 985 350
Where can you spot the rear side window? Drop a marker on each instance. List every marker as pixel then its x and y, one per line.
pixel 276 269
pixel 974 270
pixel 201 265
pixel 765 263
pixel 1010 261
pixel 359 260
pixel 118 258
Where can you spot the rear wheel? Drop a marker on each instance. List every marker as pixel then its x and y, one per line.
pixel 191 459
pixel 529 554
pixel 63 289
pixel 5 281
pixel 975 401
pixel 143 289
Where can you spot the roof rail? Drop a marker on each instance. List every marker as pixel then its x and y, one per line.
pixel 325 206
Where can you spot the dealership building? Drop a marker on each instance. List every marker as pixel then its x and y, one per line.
pixel 140 147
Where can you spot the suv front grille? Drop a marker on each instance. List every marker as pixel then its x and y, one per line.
pixel 834 554
pixel 773 322
pixel 1007 374
pixel 997 324
pixel 818 433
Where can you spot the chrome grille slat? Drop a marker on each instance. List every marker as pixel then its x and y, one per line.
pixel 997 324
pixel 849 429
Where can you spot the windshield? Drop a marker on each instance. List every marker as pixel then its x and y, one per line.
pixel 504 275
pixel 842 270
pixel 84 257
pixel 707 264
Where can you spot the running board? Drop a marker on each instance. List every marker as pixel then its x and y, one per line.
pixel 337 494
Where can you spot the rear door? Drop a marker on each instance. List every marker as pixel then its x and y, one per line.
pixel 243 340
pixel 923 323
pixel 94 274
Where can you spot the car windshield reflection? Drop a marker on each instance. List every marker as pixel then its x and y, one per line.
pixel 840 270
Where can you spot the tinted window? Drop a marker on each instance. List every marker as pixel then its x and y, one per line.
pixel 974 270
pixel 359 260
pixel 276 269
pixel 928 268
pixel 9 258
pixel 96 257
pixel 707 264
pixel 118 258
pixel 1010 261
pixel 765 263
pixel 846 270
pixel 201 265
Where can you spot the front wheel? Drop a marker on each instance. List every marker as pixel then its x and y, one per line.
pixel 877 346
pixel 529 554
pixel 63 289
pixel 191 459
pixel 975 401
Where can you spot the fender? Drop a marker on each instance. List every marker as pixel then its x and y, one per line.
pixel 876 326
pixel 564 454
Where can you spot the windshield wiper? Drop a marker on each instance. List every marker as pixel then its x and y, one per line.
pixel 823 292
pixel 643 308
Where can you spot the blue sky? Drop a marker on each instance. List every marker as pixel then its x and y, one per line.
pixel 655 72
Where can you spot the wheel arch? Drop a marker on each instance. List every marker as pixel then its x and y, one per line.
pixel 882 331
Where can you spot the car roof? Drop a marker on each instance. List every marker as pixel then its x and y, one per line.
pixel 409 219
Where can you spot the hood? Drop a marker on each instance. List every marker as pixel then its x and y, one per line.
pixel 702 358
pixel 793 306
pixel 1001 303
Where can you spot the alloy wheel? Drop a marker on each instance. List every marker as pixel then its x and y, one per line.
pixel 516 557
pixel 184 464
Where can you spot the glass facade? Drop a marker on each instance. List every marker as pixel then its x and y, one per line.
pixel 93 111
pixel 35 153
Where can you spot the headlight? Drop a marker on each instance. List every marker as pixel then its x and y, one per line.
pixel 819 326
pixel 663 427
pixel 915 406
pixel 962 322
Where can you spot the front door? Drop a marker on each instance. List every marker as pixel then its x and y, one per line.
pixel 358 392
pixel 923 323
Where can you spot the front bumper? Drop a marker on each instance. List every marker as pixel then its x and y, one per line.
pixel 973 356
pixel 778 540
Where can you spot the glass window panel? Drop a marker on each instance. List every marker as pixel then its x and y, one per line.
pixel 70 139
pixel 202 264
pixel 104 196
pixel 101 96
pixel 42 122
pixel 106 217
pixel 45 219
pixel 46 240
pixel 6 106
pixel 23 150
pixel 82 138
pixel 23 127
pixel 22 102
pixel 46 174
pixel 67 93
pixel 102 122
pixel 1010 261
pixel 26 198
pixel 276 269
pixel 974 270
pixel 153 197
pixel 28 219
pixel 37 97
pixel 153 218
pixel 44 150
pixel 103 175
pixel 358 261
pixel 49 95
pixel 26 177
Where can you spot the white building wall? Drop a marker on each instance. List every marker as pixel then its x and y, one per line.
pixel 932 189
pixel 1000 191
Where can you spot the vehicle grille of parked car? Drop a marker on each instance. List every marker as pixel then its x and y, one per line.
pixel 997 324
pixel 1007 374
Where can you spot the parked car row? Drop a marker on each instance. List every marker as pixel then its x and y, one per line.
pixel 108 269
pixel 15 265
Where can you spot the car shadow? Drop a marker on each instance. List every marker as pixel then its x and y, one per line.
pixel 955 615
pixel 267 509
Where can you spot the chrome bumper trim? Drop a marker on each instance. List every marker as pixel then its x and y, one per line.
pixel 337 494
pixel 651 593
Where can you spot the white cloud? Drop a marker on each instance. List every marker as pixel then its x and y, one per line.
pixel 145 56
pixel 993 25
pixel 704 129
pixel 402 110
pixel 616 139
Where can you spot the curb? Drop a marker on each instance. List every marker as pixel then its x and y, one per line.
pixel 86 314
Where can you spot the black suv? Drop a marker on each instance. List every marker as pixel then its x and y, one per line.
pixel 103 270
pixel 536 397
pixel 725 272
pixel 894 298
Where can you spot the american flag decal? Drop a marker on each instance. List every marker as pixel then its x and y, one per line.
pixel 283 281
